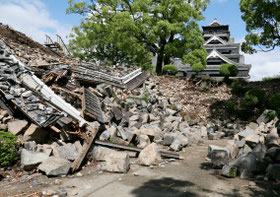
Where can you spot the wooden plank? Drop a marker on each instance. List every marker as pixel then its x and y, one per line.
pixel 86 146
pixel 135 149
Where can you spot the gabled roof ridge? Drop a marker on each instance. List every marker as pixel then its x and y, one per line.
pixel 215 21
pixel 215 37
pixel 215 53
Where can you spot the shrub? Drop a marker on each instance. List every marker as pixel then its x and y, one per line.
pixel 8 149
pixel 254 98
pixel 231 107
pixel 276 77
pixel 198 68
pixel 274 102
pixel 238 86
pixel 228 70
pixel 170 69
pixel 243 113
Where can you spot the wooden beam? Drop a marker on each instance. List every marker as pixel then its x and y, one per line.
pixel 87 144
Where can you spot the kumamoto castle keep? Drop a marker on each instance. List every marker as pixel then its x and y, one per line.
pixel 221 49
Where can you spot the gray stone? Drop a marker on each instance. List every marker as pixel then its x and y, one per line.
pixel 109 91
pixel 179 107
pixel 105 135
pixel 143 141
pixel 122 133
pixel 272 139
pixel 253 138
pixel 149 155
pixel 240 143
pixel 144 104
pixel 259 151
pixel 170 112
pixel 44 148
pixel 169 138
pixel 253 125
pixel 176 145
pixel 203 132
pixel 55 166
pixel 215 136
pixel 232 148
pixel 98 153
pixel 219 156
pixel 35 133
pixel 17 126
pixel 183 139
pixel 263 117
pixel 212 129
pixel 117 162
pixel 3 127
pixel 117 113
pixel 246 133
pixel 31 146
pixel 30 159
pixel 246 165
pixel 68 151
pixel 247 149
pixel 229 171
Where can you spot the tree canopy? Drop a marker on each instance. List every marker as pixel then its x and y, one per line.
pixel 127 31
pixel 262 24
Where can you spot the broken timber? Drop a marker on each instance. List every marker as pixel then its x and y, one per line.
pixel 135 149
pixel 86 146
pixel 90 73
pixel 91 106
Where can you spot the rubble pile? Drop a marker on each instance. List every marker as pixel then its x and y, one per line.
pixel 108 111
pixel 254 151
pixel 196 98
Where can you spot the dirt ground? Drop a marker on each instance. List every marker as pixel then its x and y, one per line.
pixel 192 176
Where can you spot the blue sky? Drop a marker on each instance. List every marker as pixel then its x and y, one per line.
pixel 36 18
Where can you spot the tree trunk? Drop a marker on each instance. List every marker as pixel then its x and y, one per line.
pixel 167 59
pixel 159 63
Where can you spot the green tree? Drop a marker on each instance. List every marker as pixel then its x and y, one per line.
pixel 198 67
pixel 125 31
pixel 228 70
pixel 197 59
pixel 262 24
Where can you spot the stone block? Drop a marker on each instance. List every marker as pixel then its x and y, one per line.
pixel 44 148
pixel 55 166
pixel 17 126
pixel 98 153
pixel 30 159
pixel 35 133
pixel 117 162
pixel 143 141
pixel 31 146
pixel 67 151
pixel 229 171
pixel 219 156
pixel 149 155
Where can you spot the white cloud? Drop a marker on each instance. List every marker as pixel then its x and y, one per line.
pixel 31 17
pixel 264 64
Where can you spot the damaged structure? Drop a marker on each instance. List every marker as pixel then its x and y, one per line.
pixel 37 86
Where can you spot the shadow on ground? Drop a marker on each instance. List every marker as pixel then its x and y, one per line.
pixel 166 187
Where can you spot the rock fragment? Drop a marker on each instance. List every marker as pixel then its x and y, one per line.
pixel 149 155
